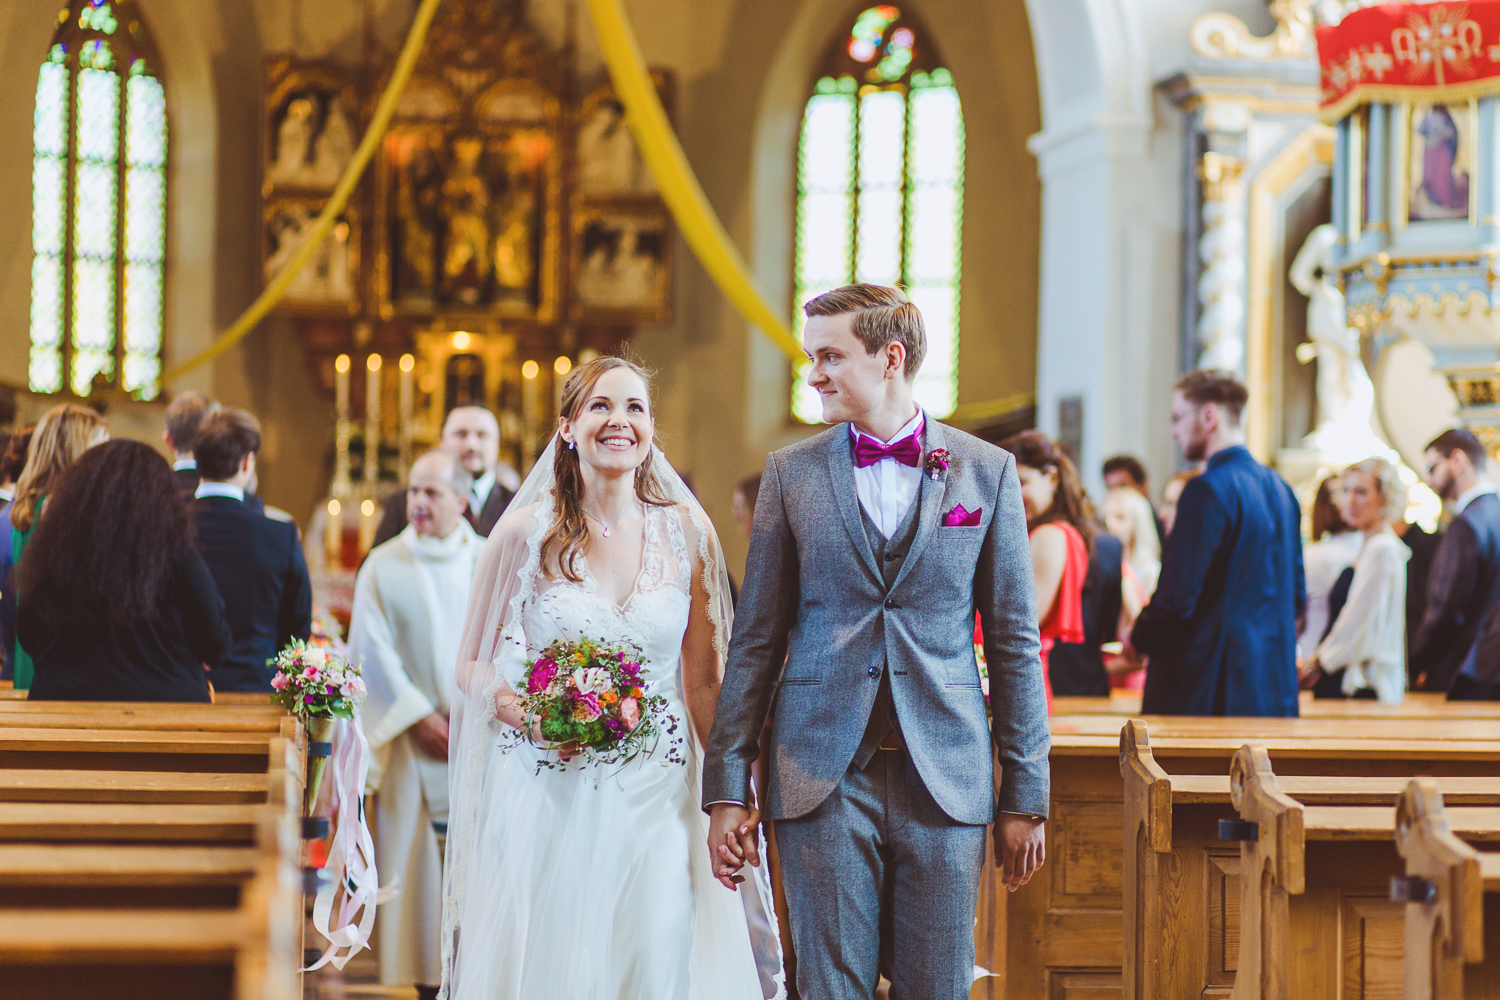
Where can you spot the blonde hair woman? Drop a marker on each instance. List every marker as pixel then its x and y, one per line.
pixel 1129 518
pixel 1364 652
pixel 63 433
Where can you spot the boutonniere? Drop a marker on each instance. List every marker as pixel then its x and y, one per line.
pixel 937 463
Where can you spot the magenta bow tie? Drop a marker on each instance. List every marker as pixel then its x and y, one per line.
pixel 868 451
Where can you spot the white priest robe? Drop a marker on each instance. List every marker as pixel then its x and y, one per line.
pixel 409 604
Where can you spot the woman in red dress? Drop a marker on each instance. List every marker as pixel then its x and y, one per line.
pixel 1061 523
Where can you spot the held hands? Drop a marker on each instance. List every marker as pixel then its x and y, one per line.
pixel 431 734
pixel 732 840
pixel 1020 848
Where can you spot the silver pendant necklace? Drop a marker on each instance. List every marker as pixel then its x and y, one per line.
pixel 611 524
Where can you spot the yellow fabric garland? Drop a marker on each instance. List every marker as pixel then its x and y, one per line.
pixel 675 179
pixel 273 292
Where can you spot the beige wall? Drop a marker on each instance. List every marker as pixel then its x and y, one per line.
pixel 743 72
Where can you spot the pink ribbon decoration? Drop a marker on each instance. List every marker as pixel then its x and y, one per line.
pixel 350 875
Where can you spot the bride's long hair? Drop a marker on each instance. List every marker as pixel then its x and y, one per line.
pixel 568 537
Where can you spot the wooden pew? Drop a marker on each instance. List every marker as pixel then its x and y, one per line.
pixel 1179 939
pixel 1319 876
pixel 101 749
pixel 124 899
pixel 1059 937
pixel 1452 897
pixel 1416 705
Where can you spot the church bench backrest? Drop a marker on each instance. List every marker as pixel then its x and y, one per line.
pixel 1276 835
pixel 131 786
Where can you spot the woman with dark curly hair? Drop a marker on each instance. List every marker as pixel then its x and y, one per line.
pixel 1061 523
pixel 115 603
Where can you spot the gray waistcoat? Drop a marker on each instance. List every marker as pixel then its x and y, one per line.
pixel 890 554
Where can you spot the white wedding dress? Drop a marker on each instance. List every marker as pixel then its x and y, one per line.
pixel 595 883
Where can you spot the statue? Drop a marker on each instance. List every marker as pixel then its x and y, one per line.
pixel 514 237
pixel 334 147
pixel 466 202
pixel 292 139
pixel 1346 396
pixel 608 162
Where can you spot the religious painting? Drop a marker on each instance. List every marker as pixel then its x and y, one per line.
pixel 1439 164
pixel 609 164
pixel 328 283
pixel 621 270
pixel 466 218
pixel 311 122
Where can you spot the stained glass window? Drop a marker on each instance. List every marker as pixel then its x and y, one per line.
pixel 880 168
pixel 98 235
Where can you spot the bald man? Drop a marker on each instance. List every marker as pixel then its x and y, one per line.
pixel 472 434
pixel 409 604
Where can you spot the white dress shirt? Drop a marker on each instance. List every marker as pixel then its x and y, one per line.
pixel 480 492
pixel 209 489
pixel 1471 494
pixel 886 489
pixel 1369 636
pixel 184 463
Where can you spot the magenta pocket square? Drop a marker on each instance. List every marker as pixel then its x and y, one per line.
pixel 960 518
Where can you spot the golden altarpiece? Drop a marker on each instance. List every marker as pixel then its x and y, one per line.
pixel 505 229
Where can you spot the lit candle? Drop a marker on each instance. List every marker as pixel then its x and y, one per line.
pixel 333 533
pixel 529 404
pixel 560 369
pixel 407 364
pixel 333 538
pixel 372 418
pixel 341 385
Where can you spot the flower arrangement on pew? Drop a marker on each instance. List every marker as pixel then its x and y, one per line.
pixel 319 684
pixel 587 695
pixel 316 682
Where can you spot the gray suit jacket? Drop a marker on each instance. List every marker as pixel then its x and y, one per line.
pixel 816 626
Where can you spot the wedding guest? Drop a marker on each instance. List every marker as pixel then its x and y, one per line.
pixel 746 492
pixel 1128 517
pixel 409 604
pixel 115 604
pixel 1221 629
pixel 1127 472
pixel 1170 494
pixel 1364 653
pixel 1060 523
pixel 1078 668
pixel 473 434
pixel 256 560
pixel 63 434
pixel 183 418
pixel 1464 584
pixel 1423 545
pixel 11 464
pixel 1333 549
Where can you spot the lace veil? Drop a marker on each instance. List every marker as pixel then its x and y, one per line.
pixel 493 652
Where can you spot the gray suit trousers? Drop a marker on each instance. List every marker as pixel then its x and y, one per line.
pixel 878 867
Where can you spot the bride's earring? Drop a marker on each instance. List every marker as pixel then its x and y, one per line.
pixel 572 445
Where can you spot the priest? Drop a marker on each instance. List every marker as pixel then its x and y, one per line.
pixel 409 604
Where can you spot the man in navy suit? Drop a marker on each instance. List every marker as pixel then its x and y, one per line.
pixel 1221 629
pixel 255 560
pixel 1463 585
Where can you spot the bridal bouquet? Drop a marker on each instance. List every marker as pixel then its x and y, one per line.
pixel 588 693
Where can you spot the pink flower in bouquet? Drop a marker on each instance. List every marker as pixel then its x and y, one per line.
pixel 592 680
pixel 310 674
pixel 586 708
pixel 541 676
pixel 280 682
pixel 630 712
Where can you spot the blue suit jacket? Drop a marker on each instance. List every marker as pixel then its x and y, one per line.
pixel 1221 629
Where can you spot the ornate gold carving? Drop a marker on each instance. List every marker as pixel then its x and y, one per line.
pixel 1224 36
pixel 1221 175
pixel 1476 391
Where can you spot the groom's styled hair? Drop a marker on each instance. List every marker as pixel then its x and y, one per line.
pixel 878 316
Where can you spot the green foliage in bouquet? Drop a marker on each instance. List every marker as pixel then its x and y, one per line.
pixel 315 682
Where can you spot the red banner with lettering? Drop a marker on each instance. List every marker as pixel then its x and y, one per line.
pixel 1440 52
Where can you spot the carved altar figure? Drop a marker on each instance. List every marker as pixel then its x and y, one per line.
pixel 292 140
pixel 514 264
pixel 466 202
pixel 1346 396
pixel 607 157
pixel 334 147
pixel 326 275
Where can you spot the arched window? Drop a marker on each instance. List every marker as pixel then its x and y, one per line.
pixel 98 229
pixel 880 181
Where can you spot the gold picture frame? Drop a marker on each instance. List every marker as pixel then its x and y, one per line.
pixel 621 267
pixel 1434 140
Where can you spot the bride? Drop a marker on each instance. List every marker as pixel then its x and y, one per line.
pixel 593 883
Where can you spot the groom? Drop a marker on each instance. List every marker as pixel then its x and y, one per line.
pixel 874 544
